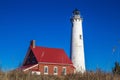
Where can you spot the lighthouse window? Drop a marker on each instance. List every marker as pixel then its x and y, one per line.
pixel 80 36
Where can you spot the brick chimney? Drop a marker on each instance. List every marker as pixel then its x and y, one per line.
pixel 32 43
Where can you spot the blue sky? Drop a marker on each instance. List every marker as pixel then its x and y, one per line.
pixel 48 22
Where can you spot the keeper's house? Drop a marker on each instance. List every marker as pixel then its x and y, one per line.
pixel 46 61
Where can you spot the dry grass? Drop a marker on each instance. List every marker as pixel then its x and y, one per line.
pixel 97 75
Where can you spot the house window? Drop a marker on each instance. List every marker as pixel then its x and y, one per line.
pixel 55 70
pixel 64 71
pixel 45 69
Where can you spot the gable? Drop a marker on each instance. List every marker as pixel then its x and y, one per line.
pixel 30 59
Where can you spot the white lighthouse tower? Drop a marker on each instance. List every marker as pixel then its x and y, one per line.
pixel 77 46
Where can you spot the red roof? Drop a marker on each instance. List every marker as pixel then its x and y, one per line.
pixel 50 55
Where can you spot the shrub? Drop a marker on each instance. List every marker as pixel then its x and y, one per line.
pixel 116 69
pixel 89 75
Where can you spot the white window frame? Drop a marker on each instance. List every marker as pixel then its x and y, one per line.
pixel 45 68
pixel 64 68
pixel 55 68
pixel 36 72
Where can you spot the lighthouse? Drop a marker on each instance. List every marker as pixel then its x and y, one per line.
pixel 77 46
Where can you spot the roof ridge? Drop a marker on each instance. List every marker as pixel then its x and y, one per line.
pixel 49 47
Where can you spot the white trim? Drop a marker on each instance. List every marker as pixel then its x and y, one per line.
pixel 56 70
pixel 47 69
pixel 30 67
